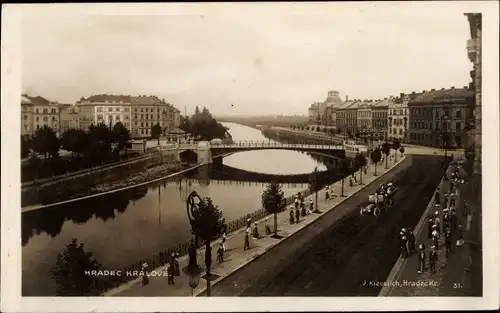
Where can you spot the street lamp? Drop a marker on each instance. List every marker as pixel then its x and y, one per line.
pixel 192 206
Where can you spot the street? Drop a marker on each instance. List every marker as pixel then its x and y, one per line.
pixel 335 258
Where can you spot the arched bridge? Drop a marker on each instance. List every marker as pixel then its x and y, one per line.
pixel 206 150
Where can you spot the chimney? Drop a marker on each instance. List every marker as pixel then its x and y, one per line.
pixel 442 88
pixel 346 98
pixel 424 91
pixel 452 87
pixel 433 89
pixel 413 92
pixel 402 95
pixel 465 87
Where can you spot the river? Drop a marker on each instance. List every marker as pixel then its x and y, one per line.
pixel 122 228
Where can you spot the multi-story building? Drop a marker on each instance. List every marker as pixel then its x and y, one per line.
pixel 42 111
pixel 104 109
pixel 439 118
pixel 347 117
pixel 331 103
pixel 314 116
pixel 365 118
pixel 474 52
pixel 379 117
pixel 70 118
pixel 398 118
pixel 148 111
pixel 26 115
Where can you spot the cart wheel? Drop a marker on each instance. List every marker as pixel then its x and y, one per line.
pixel 362 212
pixel 376 212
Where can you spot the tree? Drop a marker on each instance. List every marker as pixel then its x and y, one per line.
pixel 74 140
pixel 345 164
pixel 100 137
pixel 314 186
pixel 360 161
pixel 70 270
pixel 272 200
pixel 386 149
pixel 376 156
pixel 396 144
pixel 121 135
pixel 208 225
pixel 25 149
pixel 156 132
pixel 45 142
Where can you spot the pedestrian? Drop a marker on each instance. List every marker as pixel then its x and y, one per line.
pixel 332 192
pixel 224 242
pixel 246 245
pixel 224 226
pixel 311 205
pixel 177 271
pixel 453 221
pixel 446 219
pixel 437 198
pixel 303 209
pixel 297 202
pixel 446 200
pixel 403 247
pixel 350 181
pixel 447 242
pixel 255 231
pixel 411 240
pixel 220 254
pixel 327 194
pixel 268 229
pixel 145 278
pixel 460 240
pixel 435 237
pixel 292 219
pixel 421 259
pixel 170 275
pixel 466 208
pixel 249 222
pixel 430 222
pixel 433 258
pixel 297 215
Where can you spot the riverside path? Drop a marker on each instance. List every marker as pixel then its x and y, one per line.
pixel 236 258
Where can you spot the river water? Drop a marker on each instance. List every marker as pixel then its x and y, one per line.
pixel 123 228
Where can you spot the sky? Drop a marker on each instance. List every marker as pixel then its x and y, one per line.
pixel 244 59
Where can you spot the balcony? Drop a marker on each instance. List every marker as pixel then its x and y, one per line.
pixel 472 49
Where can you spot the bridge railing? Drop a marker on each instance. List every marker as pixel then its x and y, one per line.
pixel 271 144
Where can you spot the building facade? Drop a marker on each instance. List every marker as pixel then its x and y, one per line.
pixel 313 112
pixel 380 117
pixel 397 123
pixel 347 117
pixel 365 118
pixel 474 52
pixel 104 109
pixel 37 112
pixel 148 111
pixel 439 118
pixel 70 118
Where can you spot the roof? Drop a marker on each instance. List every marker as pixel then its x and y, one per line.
pixel 38 100
pixel 365 105
pixel 109 98
pixel 443 95
pixel 177 130
pixel 146 100
pixel 25 100
pixel 349 105
pixel 382 104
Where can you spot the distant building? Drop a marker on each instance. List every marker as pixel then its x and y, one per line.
pixel 379 117
pixel 314 116
pixel 70 117
pixel 104 109
pixel 365 124
pixel 347 117
pixel 398 118
pixel 37 112
pixel 148 111
pixel 439 117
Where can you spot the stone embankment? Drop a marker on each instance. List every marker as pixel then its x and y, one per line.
pixel 100 181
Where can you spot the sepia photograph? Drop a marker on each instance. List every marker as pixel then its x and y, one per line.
pixel 302 153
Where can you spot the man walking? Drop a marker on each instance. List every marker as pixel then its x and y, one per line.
pixel 433 258
pixel 435 237
pixel 421 259
pixel 220 254
pixel 411 241
pixel 297 215
pixel 430 223
pixel 246 245
pixel 447 242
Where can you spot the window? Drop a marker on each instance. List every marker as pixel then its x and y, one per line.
pixel 125 117
pixel 99 109
pixel 142 116
pixel 110 109
pixel 37 118
pixel 135 109
pixel 45 111
pixel 117 109
pixel 142 110
pixel 45 118
pixel 117 118
pixel 53 111
pixel 53 118
pixel 36 110
pixel 151 116
pixel 25 117
pixel 400 131
pixel 458 126
pixel 445 126
pixel 437 113
pixel 126 110
pixel 142 124
pixel 458 141
pixel 99 117
pixel 458 114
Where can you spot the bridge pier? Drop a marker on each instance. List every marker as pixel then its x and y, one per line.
pixel 204 153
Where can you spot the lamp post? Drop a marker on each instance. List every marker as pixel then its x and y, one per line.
pixel 192 206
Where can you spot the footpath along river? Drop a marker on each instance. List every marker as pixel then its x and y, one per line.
pixel 125 227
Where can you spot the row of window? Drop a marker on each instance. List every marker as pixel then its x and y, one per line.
pixel 395 131
pixel 398 111
pixel 437 112
pixel 429 138
pixel 164 110
pixel 45 111
pixel 379 114
pixel 428 125
pixel 116 109
pixel 100 117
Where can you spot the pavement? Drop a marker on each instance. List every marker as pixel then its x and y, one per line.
pixel 235 257
pixel 450 278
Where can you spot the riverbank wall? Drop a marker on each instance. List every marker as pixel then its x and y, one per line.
pixel 285 135
pixel 78 186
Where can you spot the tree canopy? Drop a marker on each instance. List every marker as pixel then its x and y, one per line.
pixel 208 220
pixel 360 160
pixel 314 184
pixel 69 271
pixel 203 126
pixel 376 156
pixel 273 198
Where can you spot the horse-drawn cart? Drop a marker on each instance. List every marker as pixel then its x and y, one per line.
pixel 380 201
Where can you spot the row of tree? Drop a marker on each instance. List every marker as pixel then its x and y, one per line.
pixel 203 126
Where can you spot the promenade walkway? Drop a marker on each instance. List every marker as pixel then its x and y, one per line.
pixel 235 257
pixel 449 278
